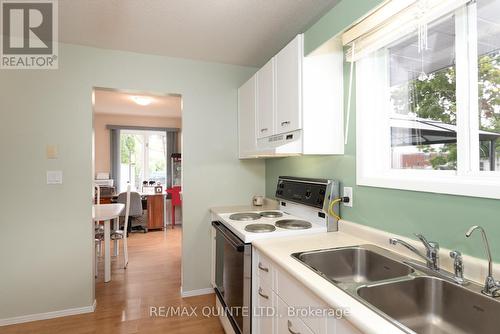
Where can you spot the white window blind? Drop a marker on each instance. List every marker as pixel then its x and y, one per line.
pixel 396 18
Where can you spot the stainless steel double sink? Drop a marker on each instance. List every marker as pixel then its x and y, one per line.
pixel 412 297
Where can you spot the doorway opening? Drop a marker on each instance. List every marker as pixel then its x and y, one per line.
pixel 137 142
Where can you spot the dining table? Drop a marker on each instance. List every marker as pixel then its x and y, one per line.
pixel 107 213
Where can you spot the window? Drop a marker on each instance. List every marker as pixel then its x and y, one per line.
pixel 422 89
pixel 488 47
pixel 428 98
pixel 143 157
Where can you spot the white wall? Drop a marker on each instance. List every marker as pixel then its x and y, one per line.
pixel 46 244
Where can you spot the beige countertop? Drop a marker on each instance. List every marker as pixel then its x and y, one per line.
pixel 350 234
pixel 279 251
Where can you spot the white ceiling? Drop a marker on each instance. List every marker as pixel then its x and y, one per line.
pixel 242 32
pixel 121 103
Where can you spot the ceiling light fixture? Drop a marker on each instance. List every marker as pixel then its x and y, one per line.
pixel 142 100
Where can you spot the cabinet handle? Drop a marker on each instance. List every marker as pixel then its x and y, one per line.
pixel 262 295
pixel 290 325
pixel 285 123
pixel 262 268
pixel 263 130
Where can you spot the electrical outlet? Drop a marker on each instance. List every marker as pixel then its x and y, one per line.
pixel 348 193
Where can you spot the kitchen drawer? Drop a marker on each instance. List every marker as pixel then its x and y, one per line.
pixel 295 294
pixel 287 324
pixel 265 270
pixel 264 282
pixel 265 301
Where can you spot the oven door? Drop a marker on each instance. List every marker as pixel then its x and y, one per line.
pixel 233 277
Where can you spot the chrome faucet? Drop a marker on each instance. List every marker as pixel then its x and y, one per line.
pixel 491 286
pixel 432 257
pixel 458 267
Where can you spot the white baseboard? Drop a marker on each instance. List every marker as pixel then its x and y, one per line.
pixel 198 292
pixel 47 315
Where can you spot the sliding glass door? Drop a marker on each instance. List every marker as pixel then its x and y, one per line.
pixel 143 157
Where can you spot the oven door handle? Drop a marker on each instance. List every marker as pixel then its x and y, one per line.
pixel 228 236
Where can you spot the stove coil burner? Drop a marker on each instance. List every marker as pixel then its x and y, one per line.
pixel 293 224
pixel 260 228
pixel 245 216
pixel 271 214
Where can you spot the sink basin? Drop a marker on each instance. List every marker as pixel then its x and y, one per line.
pixel 429 305
pixel 353 264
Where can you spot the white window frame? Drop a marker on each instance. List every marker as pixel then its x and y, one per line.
pixel 145 156
pixel 373 152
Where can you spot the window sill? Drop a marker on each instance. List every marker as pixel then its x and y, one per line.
pixel 448 183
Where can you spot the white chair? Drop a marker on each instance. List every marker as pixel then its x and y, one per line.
pixel 98 232
pixel 122 234
pixel 135 213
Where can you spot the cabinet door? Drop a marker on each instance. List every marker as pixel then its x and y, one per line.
pixel 265 100
pixel 265 303
pixel 246 119
pixel 296 295
pixel 155 212
pixel 289 87
pixel 287 324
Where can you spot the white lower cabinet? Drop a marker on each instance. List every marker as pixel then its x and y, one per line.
pixel 289 324
pixel 282 305
pixel 265 303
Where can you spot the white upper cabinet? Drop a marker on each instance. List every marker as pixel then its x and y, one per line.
pixel 265 100
pixel 295 104
pixel 289 87
pixel 247 118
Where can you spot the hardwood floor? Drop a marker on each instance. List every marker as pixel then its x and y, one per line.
pixel 152 279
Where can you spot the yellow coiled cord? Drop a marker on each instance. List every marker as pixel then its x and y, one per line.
pixel 331 211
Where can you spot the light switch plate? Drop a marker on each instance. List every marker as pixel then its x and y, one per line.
pixel 348 193
pixel 54 177
pixel 52 152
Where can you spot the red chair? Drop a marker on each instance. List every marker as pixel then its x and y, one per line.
pixel 175 200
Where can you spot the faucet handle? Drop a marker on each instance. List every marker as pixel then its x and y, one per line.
pixel 422 239
pixel 428 244
pixel 492 287
pixel 434 245
pixel 458 266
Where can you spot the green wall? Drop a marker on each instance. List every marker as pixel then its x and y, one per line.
pixel 442 218
pixel 336 20
pixel 46 235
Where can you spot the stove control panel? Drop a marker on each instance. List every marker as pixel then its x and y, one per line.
pixel 311 192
